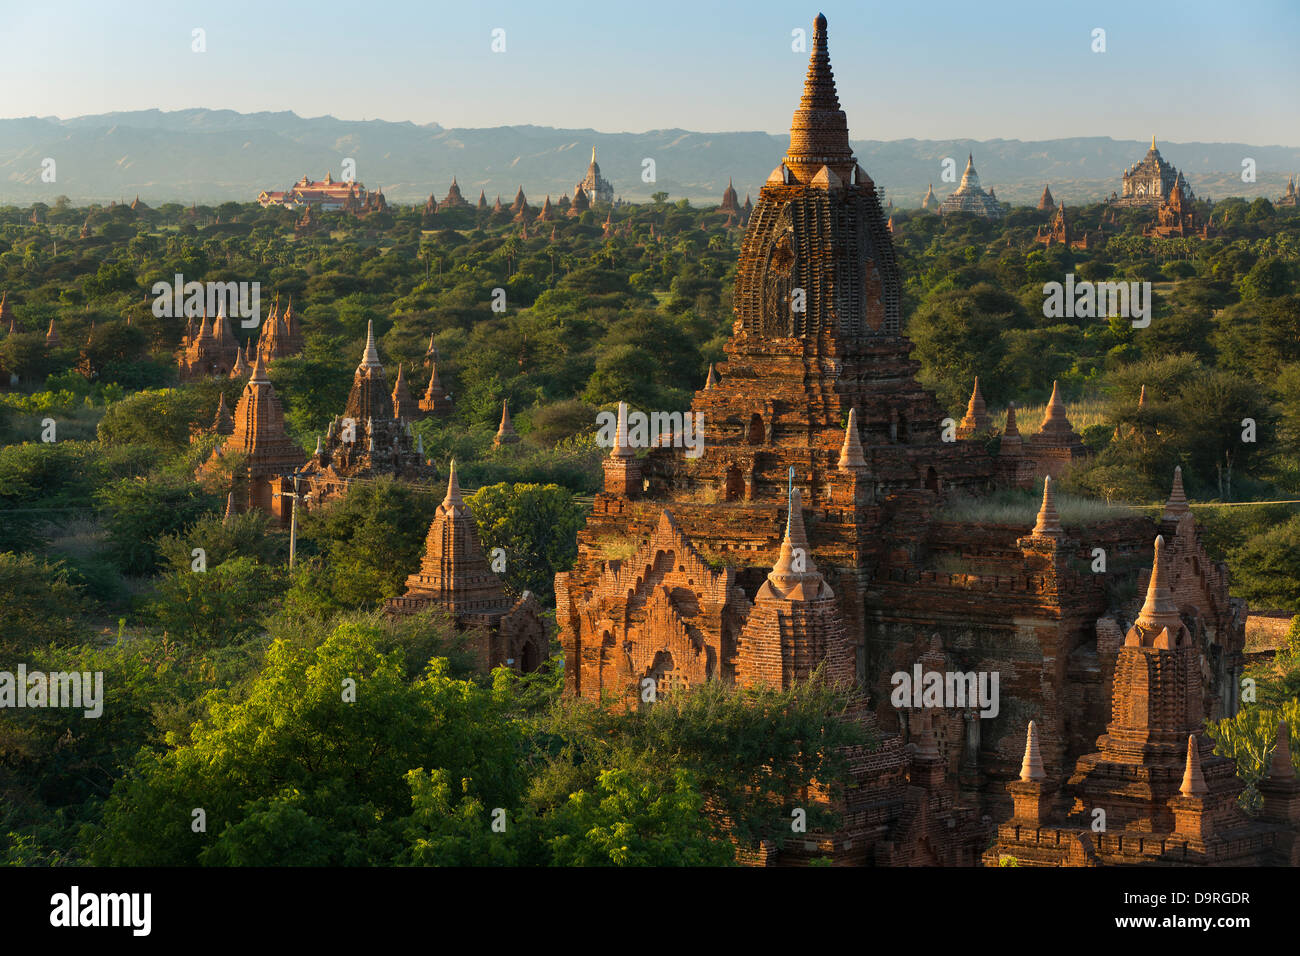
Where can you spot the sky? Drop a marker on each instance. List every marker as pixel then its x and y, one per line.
pixel 1191 71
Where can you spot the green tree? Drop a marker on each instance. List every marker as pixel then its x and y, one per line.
pixel 38 605
pixel 222 605
pixel 537 528
pixel 311 767
pixel 136 513
pixel 372 539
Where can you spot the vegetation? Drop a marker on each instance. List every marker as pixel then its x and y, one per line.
pixel 226 673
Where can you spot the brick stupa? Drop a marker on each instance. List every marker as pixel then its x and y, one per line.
pixel 454 575
pixel 258 453
pixel 976 419
pixel 1057 446
pixel 818 388
pixel 368 440
pixel 1155 781
pixel 280 335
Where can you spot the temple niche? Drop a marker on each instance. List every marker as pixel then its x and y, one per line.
pixel 821 443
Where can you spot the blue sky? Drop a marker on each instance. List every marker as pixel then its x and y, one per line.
pixel 1202 71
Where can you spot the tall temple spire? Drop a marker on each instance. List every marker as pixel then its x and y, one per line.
pixel 1011 428
pixel 621 448
pixel 259 372
pixel 506 434
pixel 711 381
pixel 452 498
pixel 241 368
pixel 1055 419
pixel 819 130
pixel 976 419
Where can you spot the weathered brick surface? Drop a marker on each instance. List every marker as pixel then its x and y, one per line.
pixel 709 588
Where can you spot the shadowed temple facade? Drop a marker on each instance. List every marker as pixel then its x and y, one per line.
pixel 816 523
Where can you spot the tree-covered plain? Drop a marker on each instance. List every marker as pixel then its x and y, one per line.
pixel 224 685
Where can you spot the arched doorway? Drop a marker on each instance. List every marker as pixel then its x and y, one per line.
pixel 735 488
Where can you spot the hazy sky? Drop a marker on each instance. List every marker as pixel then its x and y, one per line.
pixel 1188 71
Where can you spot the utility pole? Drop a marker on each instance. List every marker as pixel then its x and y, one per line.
pixel 293 524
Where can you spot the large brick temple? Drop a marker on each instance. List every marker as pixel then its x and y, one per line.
pixel 817 524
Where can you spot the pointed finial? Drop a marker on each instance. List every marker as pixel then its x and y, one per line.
pixel 318 448
pixel 370 357
pixel 711 381
pixel 1031 768
pixel 1159 612
pixel 1193 779
pixel 1049 520
pixel 1177 505
pixel 851 456
pixel 621 448
pixel 453 488
pixel 259 372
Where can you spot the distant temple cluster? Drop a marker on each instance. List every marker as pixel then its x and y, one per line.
pixel 265 470
pixel 208 350
pixel 594 189
pixel 371 438
pixel 814 531
pixel 1288 198
pixel 1061 231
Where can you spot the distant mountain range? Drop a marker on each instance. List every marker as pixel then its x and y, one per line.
pixel 205 155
